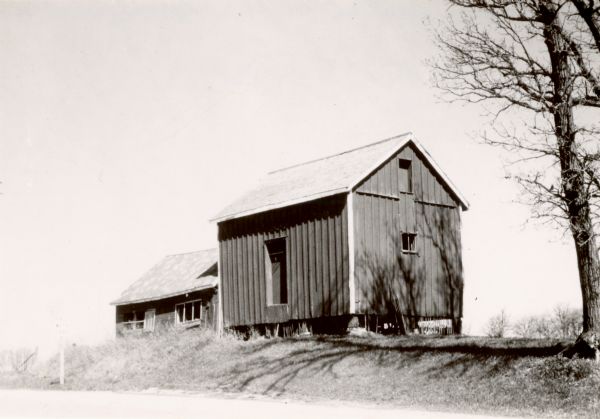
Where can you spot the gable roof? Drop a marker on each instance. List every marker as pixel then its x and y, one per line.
pixel 174 275
pixel 327 176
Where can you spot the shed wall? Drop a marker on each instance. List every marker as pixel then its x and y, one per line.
pixel 165 310
pixel 317 263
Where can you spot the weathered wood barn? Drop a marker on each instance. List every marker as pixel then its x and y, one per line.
pixel 179 291
pixel 370 237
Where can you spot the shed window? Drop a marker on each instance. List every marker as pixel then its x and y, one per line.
pixel 404 176
pixel 276 271
pixel 188 312
pixel 409 242
pixel 133 320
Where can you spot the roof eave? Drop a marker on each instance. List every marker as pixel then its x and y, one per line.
pixel 117 302
pixel 278 205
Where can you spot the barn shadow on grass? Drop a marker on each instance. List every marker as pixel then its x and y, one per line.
pixel 270 366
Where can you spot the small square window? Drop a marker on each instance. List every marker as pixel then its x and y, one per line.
pixel 409 242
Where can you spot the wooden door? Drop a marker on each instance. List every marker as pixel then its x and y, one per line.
pixel 149 320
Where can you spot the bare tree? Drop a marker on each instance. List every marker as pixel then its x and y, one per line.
pixel 566 322
pixel 536 63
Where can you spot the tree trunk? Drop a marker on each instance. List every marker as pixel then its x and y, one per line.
pixel 575 193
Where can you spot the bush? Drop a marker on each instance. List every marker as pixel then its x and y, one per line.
pixel 563 369
pixel 498 325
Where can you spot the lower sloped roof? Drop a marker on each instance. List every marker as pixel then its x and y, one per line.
pixel 174 275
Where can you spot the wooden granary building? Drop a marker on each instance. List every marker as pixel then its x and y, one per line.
pixel 366 237
pixel 179 291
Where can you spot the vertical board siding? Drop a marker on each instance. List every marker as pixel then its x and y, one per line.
pixel 428 283
pixel 427 186
pixel 436 268
pixel 317 258
pixel 305 271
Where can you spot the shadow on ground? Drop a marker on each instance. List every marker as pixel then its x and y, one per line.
pixel 271 366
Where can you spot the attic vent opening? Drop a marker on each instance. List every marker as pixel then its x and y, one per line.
pixel 276 271
pixel 409 242
pixel 404 176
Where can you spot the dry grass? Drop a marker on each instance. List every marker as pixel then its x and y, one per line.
pixel 501 376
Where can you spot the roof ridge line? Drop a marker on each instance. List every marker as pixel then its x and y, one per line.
pixel 193 251
pixel 340 153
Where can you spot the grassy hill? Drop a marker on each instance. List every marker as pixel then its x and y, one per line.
pixel 468 374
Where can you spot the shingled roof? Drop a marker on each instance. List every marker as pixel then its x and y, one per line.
pixel 324 177
pixel 174 275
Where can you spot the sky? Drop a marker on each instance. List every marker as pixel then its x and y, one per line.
pixel 125 126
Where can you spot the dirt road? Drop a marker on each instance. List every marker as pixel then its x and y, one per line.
pixel 70 404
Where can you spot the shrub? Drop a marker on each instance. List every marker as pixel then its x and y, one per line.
pixel 563 369
pixel 498 325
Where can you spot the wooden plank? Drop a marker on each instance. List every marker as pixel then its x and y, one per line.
pixel 333 288
pixel 253 276
pixel 312 281
pixel 325 267
pixel 422 180
pixel 339 265
pixel 436 262
pixel 302 297
pixel 359 245
pixel 305 269
pixel 379 177
pixel 389 170
pixel 441 281
pixel 298 306
pixel 229 283
pixel 231 280
pixel 257 278
pixel 390 229
pixel 430 184
pixel 394 173
pixel 240 275
pixel 346 257
pixel 319 268
pixel 234 283
pixel 433 263
pixel 379 195
pixel 261 276
pixel 365 251
pixel 248 280
pixel 224 275
pixel 437 188
pixel 226 279
pixel 242 281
